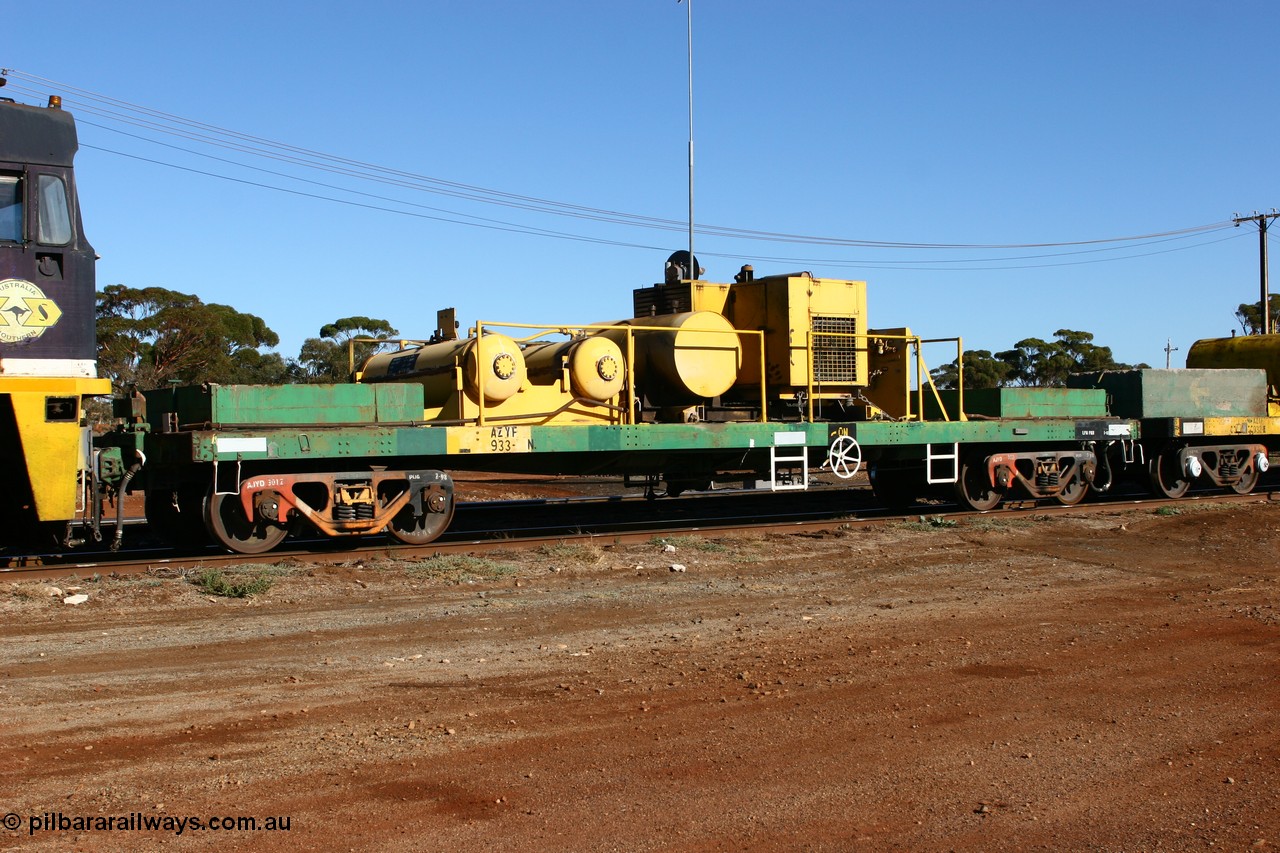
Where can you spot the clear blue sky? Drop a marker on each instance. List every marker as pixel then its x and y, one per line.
pixel 913 122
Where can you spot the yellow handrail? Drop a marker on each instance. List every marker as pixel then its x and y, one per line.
pixel 923 376
pixel 629 330
pixel 861 341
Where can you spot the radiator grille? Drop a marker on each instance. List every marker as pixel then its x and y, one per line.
pixel 661 299
pixel 835 359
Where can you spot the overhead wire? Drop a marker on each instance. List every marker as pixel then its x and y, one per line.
pixel 515 227
pixel 157 121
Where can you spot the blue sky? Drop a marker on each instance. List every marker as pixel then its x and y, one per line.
pixel 974 123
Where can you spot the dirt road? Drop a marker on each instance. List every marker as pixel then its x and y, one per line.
pixel 1098 682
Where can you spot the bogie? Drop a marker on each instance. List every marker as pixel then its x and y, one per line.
pixel 415 507
pixel 1174 468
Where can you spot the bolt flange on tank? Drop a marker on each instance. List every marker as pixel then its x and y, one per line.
pixel 493 363
pixel 594 366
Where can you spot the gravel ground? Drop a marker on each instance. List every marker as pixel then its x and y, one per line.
pixel 1104 681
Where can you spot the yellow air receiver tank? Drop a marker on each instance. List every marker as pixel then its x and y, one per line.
pixel 694 356
pixel 1257 351
pixel 435 366
pixel 594 364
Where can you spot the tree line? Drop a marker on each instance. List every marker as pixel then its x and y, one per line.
pixel 1033 361
pixel 150 337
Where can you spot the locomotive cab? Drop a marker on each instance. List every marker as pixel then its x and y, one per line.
pixel 48 348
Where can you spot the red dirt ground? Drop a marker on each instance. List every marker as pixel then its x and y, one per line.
pixel 1105 681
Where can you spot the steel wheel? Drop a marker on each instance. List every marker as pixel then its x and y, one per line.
pixel 1073 492
pixel 974 488
pixel 412 530
pixel 1168 477
pixel 1247 480
pixel 224 517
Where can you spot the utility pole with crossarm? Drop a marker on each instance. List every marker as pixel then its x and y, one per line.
pixel 1263 220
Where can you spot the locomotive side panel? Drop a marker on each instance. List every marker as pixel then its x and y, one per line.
pixel 47 301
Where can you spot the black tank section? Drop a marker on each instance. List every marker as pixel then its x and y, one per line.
pixel 47 286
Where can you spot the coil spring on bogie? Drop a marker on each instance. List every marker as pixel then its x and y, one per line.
pixel 1046 479
pixel 1229 468
pixel 352 512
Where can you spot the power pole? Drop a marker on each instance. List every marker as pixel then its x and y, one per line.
pixel 1263 220
pixel 693 267
pixel 1169 350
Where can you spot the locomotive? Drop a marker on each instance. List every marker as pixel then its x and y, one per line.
pixel 762 379
pixel 48 353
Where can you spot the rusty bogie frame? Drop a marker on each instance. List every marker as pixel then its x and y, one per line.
pixel 413 506
pixel 1061 474
pixel 1175 467
pixel 986 478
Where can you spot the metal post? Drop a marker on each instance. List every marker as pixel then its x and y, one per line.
pixel 1263 220
pixel 1262 262
pixel 693 269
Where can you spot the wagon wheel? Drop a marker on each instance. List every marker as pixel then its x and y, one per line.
pixel 845 456
pixel 224 517
pixel 1168 476
pixel 1073 491
pixel 419 530
pixel 973 486
pixel 1249 479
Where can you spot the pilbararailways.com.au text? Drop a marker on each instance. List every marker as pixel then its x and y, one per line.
pixel 140 822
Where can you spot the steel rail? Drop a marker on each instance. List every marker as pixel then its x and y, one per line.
pixel 329 551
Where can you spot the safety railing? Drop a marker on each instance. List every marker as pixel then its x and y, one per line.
pixel 483 411
pixel 923 377
pixel 629 330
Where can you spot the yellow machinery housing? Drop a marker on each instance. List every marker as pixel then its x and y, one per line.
pixel 777 345
pixel 814 331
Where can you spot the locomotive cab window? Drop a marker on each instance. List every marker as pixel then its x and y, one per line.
pixel 55 212
pixel 10 209
pixel 61 409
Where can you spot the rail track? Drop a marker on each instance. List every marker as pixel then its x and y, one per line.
pixel 486 526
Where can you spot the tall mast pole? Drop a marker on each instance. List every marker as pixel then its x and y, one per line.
pixel 693 267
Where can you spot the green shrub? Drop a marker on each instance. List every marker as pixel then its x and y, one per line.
pixel 215 582
pixel 460 568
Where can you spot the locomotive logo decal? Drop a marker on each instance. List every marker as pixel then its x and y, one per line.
pixel 25 312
